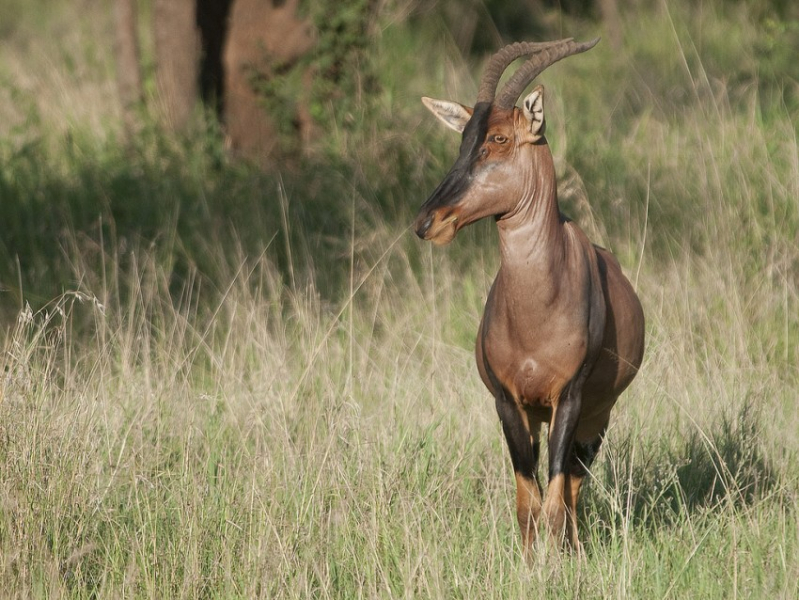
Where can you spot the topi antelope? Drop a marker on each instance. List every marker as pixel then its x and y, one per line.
pixel 562 334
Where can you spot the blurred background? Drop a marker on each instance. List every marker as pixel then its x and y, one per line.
pixel 176 122
pixel 228 368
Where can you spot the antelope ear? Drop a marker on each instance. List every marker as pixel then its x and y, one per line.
pixel 534 112
pixel 453 115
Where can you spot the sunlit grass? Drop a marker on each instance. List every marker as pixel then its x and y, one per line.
pixel 270 445
pixel 220 383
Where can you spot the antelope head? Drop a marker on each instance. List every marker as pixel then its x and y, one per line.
pixel 500 145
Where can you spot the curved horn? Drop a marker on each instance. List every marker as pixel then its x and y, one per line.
pixel 533 67
pixel 500 61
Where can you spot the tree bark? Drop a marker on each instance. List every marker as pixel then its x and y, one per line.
pixel 177 49
pixel 126 51
pixel 261 35
pixel 610 16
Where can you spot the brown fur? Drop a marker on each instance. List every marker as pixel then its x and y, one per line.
pixel 562 334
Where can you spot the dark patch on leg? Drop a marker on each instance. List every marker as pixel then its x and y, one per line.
pixel 562 431
pixel 523 451
pixel 583 455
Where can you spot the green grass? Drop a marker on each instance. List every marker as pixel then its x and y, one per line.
pixel 220 383
pixel 273 448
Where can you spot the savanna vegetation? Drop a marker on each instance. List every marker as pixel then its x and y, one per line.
pixel 221 381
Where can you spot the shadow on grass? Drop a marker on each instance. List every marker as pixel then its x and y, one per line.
pixel 67 215
pixel 661 486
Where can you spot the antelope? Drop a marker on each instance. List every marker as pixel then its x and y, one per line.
pixel 562 333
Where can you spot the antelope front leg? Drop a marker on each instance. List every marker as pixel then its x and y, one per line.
pixel 524 449
pixel 561 439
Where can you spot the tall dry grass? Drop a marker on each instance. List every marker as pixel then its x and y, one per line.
pixel 277 398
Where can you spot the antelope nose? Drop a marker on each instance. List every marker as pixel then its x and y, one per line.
pixel 423 225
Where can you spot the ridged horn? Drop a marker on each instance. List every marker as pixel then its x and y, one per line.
pixel 533 67
pixel 504 57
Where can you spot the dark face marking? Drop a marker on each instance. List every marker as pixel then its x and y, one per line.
pixel 457 181
pixel 474 134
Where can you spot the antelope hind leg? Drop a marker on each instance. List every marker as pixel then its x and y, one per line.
pixel 586 447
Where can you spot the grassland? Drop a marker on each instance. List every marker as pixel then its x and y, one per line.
pixel 221 383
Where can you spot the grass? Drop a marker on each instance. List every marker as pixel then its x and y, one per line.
pixel 221 383
pixel 272 448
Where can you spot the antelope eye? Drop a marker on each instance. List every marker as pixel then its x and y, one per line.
pixel 499 139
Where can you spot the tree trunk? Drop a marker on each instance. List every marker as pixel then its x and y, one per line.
pixel 262 34
pixel 610 16
pixel 126 51
pixel 177 50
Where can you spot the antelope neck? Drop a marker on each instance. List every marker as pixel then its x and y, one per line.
pixel 531 236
